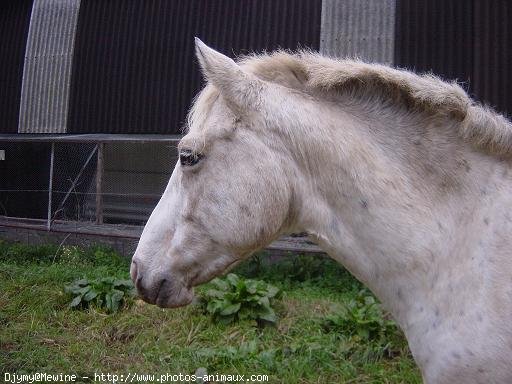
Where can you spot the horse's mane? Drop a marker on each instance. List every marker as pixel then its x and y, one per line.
pixel 311 72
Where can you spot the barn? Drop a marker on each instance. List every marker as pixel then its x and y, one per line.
pixel 94 94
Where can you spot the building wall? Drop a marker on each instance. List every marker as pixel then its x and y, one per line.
pixel 359 28
pixel 463 40
pixel 24 180
pixel 127 66
pixel 47 66
pixel 135 70
pixel 14 25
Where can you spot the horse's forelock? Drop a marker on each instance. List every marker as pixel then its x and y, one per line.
pixel 201 107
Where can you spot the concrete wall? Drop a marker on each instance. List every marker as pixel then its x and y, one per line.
pixel 124 246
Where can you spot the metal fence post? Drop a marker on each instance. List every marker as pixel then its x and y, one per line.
pixel 50 189
pixel 99 184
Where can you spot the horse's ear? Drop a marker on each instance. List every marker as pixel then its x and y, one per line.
pixel 239 87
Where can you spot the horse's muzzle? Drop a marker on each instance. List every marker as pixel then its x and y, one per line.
pixel 159 288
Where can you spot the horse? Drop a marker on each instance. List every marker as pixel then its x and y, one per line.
pixel 402 178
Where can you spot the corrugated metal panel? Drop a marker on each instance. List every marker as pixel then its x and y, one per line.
pixel 14 25
pixel 359 28
pixel 467 40
pixel 48 63
pixel 135 71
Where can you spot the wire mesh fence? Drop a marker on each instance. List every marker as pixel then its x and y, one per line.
pixel 108 182
pixel 90 187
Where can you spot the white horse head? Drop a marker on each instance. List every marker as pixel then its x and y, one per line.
pixel 401 178
pixel 228 195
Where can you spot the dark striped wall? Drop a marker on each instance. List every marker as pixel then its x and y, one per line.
pixel 467 40
pixel 134 69
pixel 14 24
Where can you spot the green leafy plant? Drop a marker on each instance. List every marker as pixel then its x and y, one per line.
pixel 108 292
pixel 363 320
pixel 234 298
pixel 305 267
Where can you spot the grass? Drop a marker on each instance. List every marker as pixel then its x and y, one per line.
pixel 40 333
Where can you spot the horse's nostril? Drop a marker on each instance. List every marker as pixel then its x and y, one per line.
pixel 160 286
pixel 149 284
pixel 162 283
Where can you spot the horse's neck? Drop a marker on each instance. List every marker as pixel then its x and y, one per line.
pixel 401 214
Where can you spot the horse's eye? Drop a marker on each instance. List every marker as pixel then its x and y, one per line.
pixel 189 158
